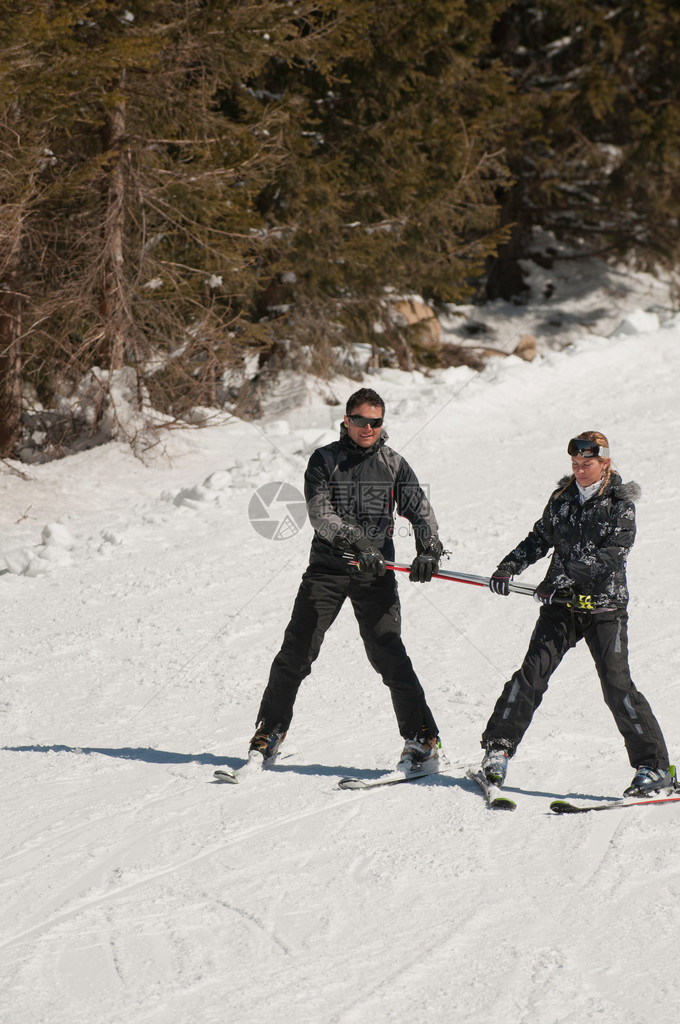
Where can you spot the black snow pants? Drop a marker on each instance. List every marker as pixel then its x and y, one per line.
pixel 606 634
pixel 378 613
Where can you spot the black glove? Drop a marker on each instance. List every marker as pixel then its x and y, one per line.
pixel 544 593
pixel 371 561
pixel 426 562
pixel 500 581
pixel 369 558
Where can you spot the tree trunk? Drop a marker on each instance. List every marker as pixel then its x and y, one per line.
pixel 10 360
pixel 505 278
pixel 113 300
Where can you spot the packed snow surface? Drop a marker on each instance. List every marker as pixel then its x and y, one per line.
pixel 142 606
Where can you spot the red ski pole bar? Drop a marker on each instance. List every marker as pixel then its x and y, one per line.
pixel 464 577
pixel 580 602
pixel 460 577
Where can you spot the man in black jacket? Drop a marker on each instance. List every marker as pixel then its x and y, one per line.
pixel 352 489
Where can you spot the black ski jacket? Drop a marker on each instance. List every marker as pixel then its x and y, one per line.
pixel 350 488
pixel 591 542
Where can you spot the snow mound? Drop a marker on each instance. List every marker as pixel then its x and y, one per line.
pixel 639 321
pixel 57 543
pixel 194 497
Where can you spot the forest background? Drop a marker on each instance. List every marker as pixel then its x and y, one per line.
pixel 197 194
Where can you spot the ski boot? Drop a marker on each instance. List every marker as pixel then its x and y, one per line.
pixel 495 765
pixel 418 752
pixel 649 780
pixel 267 742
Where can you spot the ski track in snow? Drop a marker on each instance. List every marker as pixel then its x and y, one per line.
pixel 137 643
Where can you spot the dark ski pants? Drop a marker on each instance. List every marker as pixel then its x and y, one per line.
pixel 606 634
pixel 377 610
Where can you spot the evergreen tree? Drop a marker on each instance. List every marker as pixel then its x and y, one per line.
pixel 391 183
pixel 593 140
pixel 178 162
pixel 139 234
pixel 57 102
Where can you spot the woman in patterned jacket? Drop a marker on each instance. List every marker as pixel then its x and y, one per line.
pixel 589 523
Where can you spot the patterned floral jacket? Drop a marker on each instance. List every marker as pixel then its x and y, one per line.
pixel 591 542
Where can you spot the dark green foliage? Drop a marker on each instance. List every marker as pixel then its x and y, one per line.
pixel 593 143
pixel 392 180
pixel 186 183
pixel 136 193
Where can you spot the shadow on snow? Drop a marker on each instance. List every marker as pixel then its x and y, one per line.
pixel 153 756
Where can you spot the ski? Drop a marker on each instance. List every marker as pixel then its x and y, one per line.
pixel 495 797
pixel 567 807
pixel 255 764
pixel 669 795
pixel 395 777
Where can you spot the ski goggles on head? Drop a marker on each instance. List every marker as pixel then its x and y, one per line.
pixel 366 421
pixel 588 449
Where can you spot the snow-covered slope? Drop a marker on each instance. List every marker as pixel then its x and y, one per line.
pixel 140 616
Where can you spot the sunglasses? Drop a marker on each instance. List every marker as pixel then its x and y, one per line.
pixel 588 449
pixel 366 421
